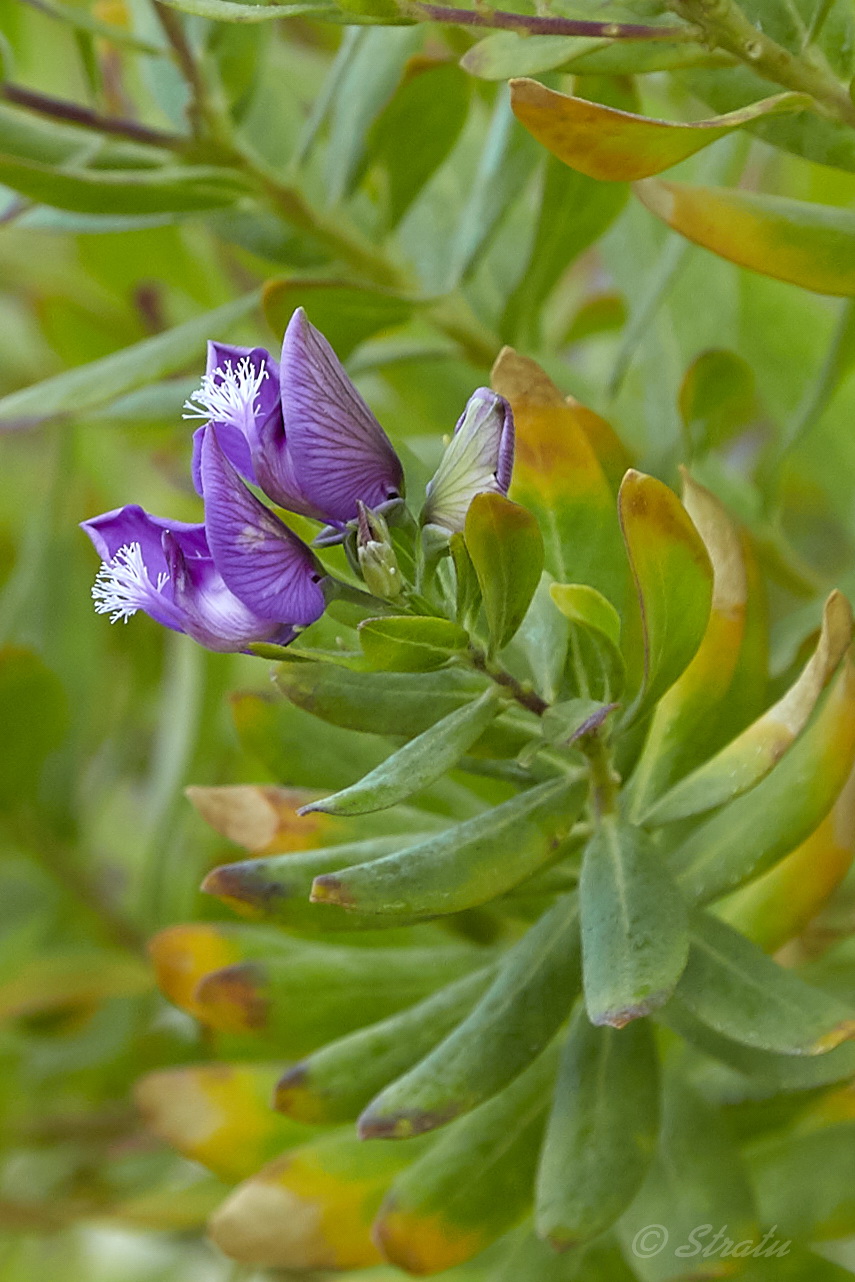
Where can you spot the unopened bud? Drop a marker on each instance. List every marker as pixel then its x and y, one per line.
pixel 377 560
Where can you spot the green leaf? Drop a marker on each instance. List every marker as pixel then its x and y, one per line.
pixel 395 703
pixel 346 314
pixel 673 578
pixel 170 189
pixel 276 888
pixel 236 11
pixel 696 1184
pixel 602 1130
pixel 304 994
pixel 370 78
pixel 566 722
pixel 512 1023
pixel 464 866
pixel 410 643
pixel 419 763
pixel 338 1081
pixel 748 758
pixel 585 605
pixel 83 388
pixel 82 20
pixel 558 475
pixel 770 1071
pixel 673 745
pixel 430 105
pixel 619 146
pixel 635 938
pixel 504 542
pixel 809 245
pixel 559 238
pixel 805 1183
pixel 732 986
pixel 471 1185
pixel 507 158
pixel 717 399
pixel 49 142
pixel 756 830
pixel 504 54
pixel 467 590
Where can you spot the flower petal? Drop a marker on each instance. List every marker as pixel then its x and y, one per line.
pixel 260 559
pixel 479 458
pixel 211 614
pixel 340 451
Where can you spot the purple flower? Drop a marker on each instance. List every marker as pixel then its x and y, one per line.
pixel 479 458
pixel 299 430
pixel 241 577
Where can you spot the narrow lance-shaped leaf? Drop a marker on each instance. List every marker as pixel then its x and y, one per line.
pixel 756 830
pixel 674 742
pixel 313 1207
pixel 634 931
pixel 276 889
pixel 772 1071
pixel 602 1130
pixel 737 990
pixel 620 146
pixel 418 764
pixel 393 703
pixel 169 189
pixel 218 1115
pixel 506 548
pixel 809 245
pixel 473 1184
pixel 673 578
pixel 464 866
pixel 751 755
pixel 517 1017
pixel 779 905
pixel 86 386
pixel 339 1080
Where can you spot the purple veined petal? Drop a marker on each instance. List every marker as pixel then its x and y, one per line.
pixel 235 447
pixel 134 574
pixel 340 451
pixel 263 562
pixel 479 458
pixel 211 614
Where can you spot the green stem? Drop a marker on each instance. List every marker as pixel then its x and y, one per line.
pixel 604 781
pixel 727 27
pixel 524 695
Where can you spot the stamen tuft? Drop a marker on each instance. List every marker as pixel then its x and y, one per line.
pixel 227 395
pixel 122 585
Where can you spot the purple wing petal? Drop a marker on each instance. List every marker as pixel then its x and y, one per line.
pixel 235 447
pixel 340 451
pixel 132 524
pixel 260 559
pixel 211 614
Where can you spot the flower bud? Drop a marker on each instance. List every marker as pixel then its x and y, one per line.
pixel 377 559
pixel 479 458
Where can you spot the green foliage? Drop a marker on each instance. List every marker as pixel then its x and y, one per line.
pixel 520 844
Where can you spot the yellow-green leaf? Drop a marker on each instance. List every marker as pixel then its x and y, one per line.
pixel 748 758
pixel 346 314
pixel 673 577
pixel 806 244
pixel 608 144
